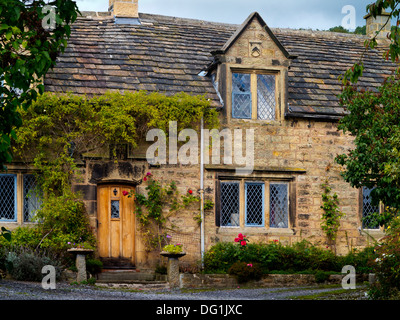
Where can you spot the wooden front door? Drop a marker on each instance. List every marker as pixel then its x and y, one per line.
pixel 116 226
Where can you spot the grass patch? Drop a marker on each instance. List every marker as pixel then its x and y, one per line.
pixel 332 294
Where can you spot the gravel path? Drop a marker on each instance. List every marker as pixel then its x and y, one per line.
pixel 17 290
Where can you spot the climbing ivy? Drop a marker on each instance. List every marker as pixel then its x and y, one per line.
pixel 154 209
pixel 331 217
pixel 58 130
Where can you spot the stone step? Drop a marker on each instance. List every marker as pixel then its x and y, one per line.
pixel 136 285
pixel 129 276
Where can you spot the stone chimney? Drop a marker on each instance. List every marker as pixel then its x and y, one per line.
pixel 124 8
pixel 375 24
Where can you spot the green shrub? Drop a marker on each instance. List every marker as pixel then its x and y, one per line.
pixel 3 255
pixel 161 269
pixel 62 222
pixel 386 264
pixel 245 272
pixel 361 260
pixel 220 257
pixel 93 266
pixel 275 257
pixel 26 265
pixel 321 276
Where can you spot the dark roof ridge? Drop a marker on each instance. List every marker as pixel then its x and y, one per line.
pixel 161 18
pixel 150 17
pixel 325 33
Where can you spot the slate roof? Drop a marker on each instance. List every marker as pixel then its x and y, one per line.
pixel 167 54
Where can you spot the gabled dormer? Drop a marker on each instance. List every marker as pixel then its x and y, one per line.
pixel 251 72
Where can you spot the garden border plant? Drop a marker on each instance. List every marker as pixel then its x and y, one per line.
pixel 275 258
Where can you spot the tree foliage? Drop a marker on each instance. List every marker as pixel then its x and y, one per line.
pixel 27 51
pixel 373 119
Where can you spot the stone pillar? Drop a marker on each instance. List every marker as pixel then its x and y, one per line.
pixel 81 266
pixel 80 262
pixel 173 272
pixel 371 278
pixel 173 268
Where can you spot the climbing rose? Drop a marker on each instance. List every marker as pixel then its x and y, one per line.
pixel 144 179
pixel 243 243
pixel 190 191
pixel 148 174
pixel 240 238
pixel 125 193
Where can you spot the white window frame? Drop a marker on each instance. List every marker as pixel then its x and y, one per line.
pixel 19 201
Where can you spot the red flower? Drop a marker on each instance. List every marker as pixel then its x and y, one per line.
pixel 190 191
pixel 125 193
pixel 242 239
pixel 148 173
pixel 144 179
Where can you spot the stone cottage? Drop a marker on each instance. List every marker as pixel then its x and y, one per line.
pixel 282 84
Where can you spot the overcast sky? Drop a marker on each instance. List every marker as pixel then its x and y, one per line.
pixel 307 14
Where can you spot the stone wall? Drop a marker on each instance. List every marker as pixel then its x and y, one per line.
pixel 304 152
pixel 297 150
pixel 218 281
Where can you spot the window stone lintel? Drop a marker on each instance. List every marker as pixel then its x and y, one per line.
pixel 256 169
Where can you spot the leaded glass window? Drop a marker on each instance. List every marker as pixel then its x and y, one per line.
pixel 279 205
pixel 8 197
pixel 368 222
pixel 266 97
pixel 241 96
pixel 115 209
pixel 254 204
pixel 252 210
pixel 32 197
pixel 229 216
pixel 254 96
